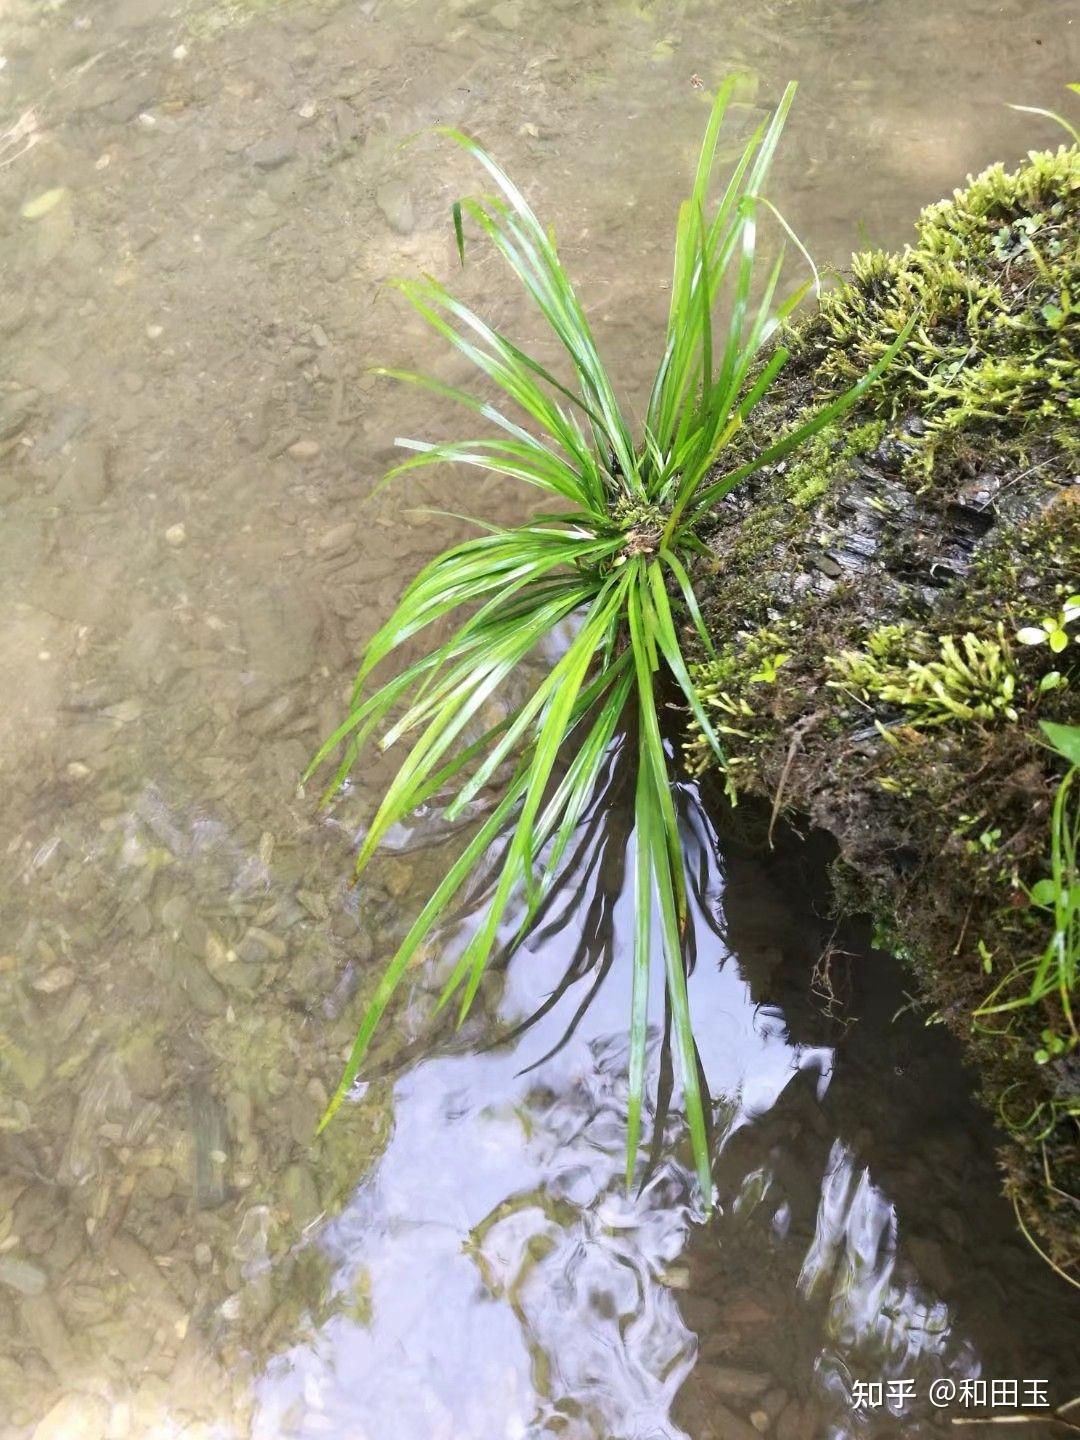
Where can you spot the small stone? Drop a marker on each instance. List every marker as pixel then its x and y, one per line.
pixel 75 1417
pixel 304 449
pixel 280 626
pixel 72 1014
pixel 252 951
pixel 85 481
pixel 134 1262
pixel 15 410
pixel 730 1425
pixel 76 770
pixel 300 1195
pixel 140 921
pixel 86 1303
pixel 251 1247
pixel 773 1403
pixel 314 903
pixel 154 332
pixel 827 564
pixel 241 1114
pixel 272 152
pixel 174 912
pixel 204 993
pixel 395 205
pixel 45 1330
pixel 21 1275
pixel 269 941
pixel 60 977
pixel 15 1118
pixel 760 1421
pixel 43 203
pixel 124 712
pixel 158 1182
pixel 176 535
pixel 396 875
pixel 229 970
pixel 337 539
pixel 302 1116
pixel 732 1380
pixel 203 1256
pixel 320 337
pixel 675 1277
pixel 507 14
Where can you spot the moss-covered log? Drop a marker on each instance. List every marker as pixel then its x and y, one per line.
pixel 865 600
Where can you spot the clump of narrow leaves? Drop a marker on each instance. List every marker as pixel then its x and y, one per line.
pixel 612 556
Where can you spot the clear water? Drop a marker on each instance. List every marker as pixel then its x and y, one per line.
pixel 200 207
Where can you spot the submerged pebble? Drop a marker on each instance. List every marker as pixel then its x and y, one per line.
pixel 211 1148
pixel 396 206
pixel 75 1417
pixel 21 1275
pixel 300 1195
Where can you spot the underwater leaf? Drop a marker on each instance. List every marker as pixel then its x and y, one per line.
pixel 459 233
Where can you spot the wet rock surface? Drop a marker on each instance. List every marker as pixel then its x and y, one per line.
pixel 917 536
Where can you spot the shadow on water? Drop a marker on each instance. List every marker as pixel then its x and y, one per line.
pixel 493 1279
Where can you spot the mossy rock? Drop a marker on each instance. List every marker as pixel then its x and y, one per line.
pixel 864 599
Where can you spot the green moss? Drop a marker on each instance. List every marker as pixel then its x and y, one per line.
pixel 992 278
pixel 970 679
pixel 825 456
pixel 893 566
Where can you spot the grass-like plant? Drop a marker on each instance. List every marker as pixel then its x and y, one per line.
pixel 611 558
pixel 1056 971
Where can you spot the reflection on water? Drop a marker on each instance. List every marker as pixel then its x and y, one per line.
pixel 200 203
pixel 496 1279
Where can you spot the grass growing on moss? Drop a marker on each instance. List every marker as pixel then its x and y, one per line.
pixel 612 556
pixel 1056 970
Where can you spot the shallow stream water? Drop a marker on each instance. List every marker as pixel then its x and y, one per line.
pixel 200 205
